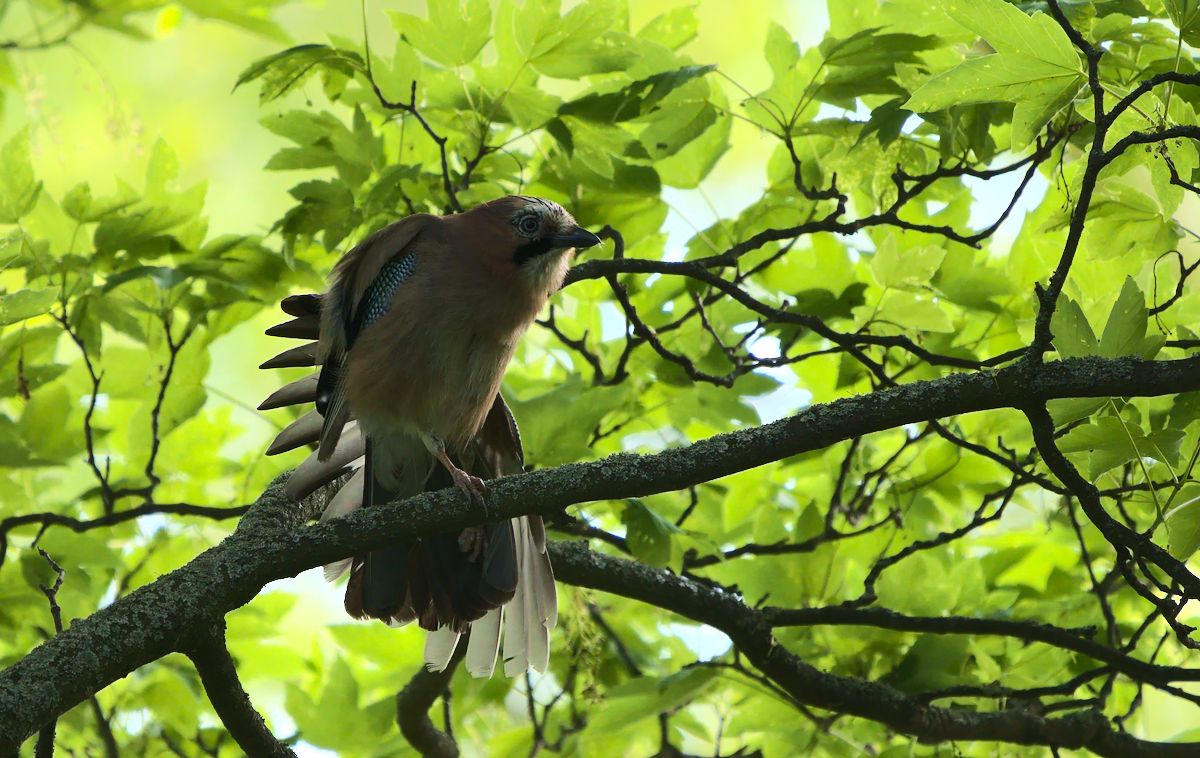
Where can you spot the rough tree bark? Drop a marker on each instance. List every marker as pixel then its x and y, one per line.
pixel 273 541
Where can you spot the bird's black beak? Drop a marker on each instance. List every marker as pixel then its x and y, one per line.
pixel 576 237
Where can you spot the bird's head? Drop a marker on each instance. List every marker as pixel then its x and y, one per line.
pixel 537 231
pixel 528 237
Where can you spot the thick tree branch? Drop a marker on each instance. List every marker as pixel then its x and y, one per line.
pixel 271 541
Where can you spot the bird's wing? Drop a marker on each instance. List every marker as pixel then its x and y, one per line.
pixel 498 443
pixel 364 281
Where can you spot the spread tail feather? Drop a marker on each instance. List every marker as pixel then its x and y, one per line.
pixel 331 400
pixel 302 431
pixel 347 500
pixel 314 473
pixel 442 580
pixel 300 328
pixel 533 611
pixel 484 644
pixel 296 357
pixel 439 648
pixel 298 392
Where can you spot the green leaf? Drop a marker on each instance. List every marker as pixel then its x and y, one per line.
pixel 673 29
pixel 1009 30
pixel 913 266
pixel 1185 14
pixel 824 305
pixel 45 427
pixel 915 312
pixel 865 64
pixel 171 701
pixel 167 277
pixel 1183 523
pixel 1035 66
pixel 454 32
pixel 19 306
pixel 1113 442
pixel 552 437
pixel 336 720
pixel 250 15
pixel 635 99
pixel 80 205
pixel 18 187
pixel 646 697
pixel 1185 409
pixel 665 137
pixel 583 42
pixel 1125 330
pixel 649 534
pixel 692 164
pixel 284 71
pixel 886 122
pixel 1074 408
pixel 931 663
pixel 1073 335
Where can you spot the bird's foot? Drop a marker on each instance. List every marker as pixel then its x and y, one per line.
pixel 472 542
pixel 471 486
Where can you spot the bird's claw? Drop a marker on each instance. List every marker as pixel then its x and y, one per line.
pixel 472 486
pixel 472 542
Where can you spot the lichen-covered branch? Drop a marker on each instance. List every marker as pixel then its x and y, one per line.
pixel 273 542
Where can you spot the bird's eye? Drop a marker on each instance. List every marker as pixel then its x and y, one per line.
pixel 528 225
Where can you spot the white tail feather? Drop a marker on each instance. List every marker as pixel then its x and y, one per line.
pixel 439 648
pixel 538 607
pixel 336 569
pixel 516 643
pixel 484 643
pixel 533 611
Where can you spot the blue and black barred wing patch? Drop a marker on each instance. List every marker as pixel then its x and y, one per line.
pixel 378 298
pixel 331 387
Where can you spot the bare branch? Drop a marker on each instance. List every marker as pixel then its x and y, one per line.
pixel 218 673
pixel 412 709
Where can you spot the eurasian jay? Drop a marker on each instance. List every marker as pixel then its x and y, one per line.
pixel 412 339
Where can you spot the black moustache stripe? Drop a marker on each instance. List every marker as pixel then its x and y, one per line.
pixel 533 249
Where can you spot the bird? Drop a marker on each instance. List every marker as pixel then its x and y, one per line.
pixel 412 338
